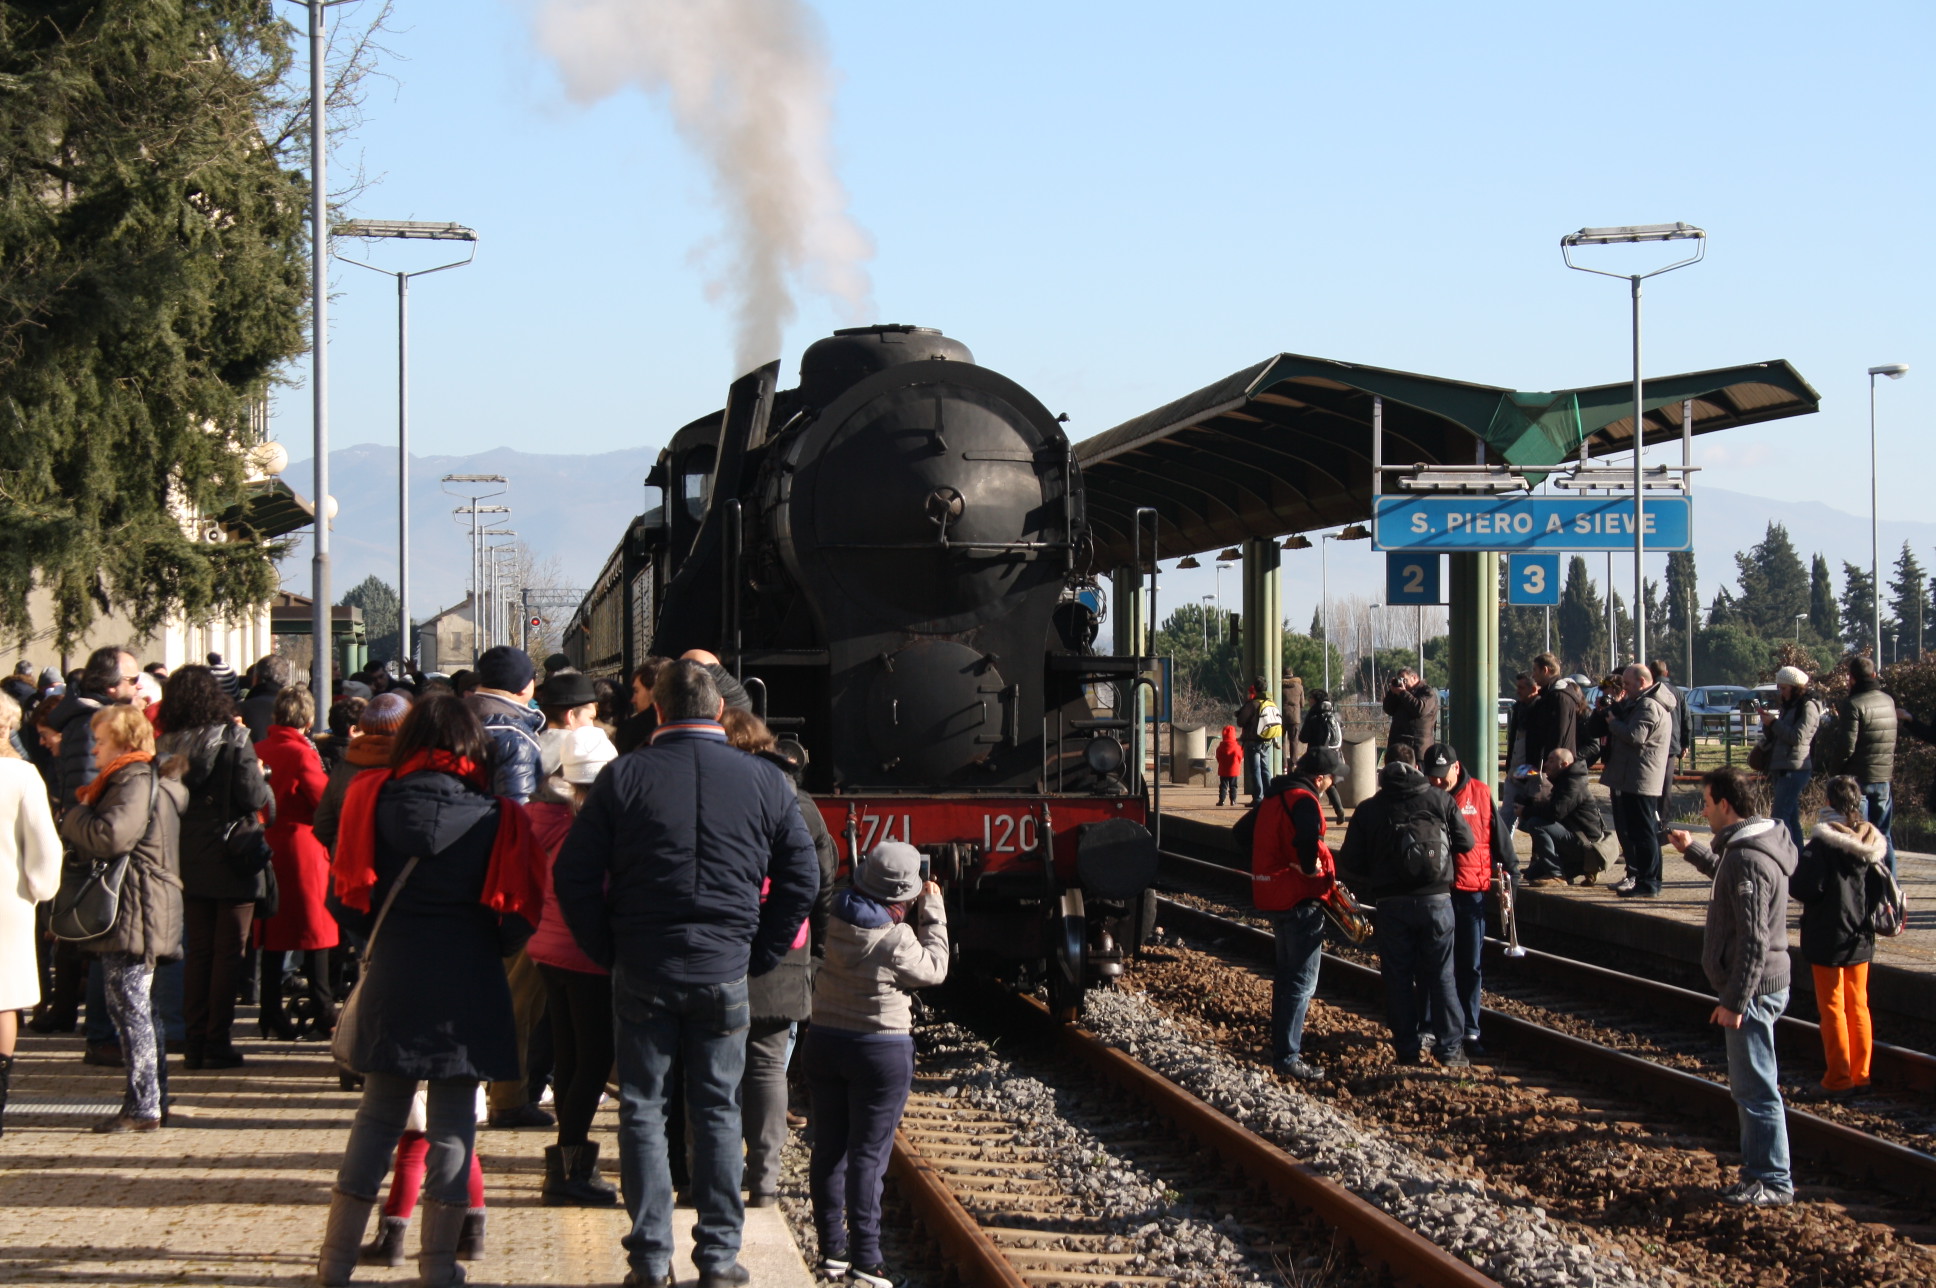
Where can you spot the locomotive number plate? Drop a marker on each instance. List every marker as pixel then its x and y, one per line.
pixel 1008 833
pixel 875 828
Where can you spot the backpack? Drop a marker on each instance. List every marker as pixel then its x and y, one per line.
pixel 1412 849
pixel 1888 908
pixel 1270 721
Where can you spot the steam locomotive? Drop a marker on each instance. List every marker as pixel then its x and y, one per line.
pixel 894 559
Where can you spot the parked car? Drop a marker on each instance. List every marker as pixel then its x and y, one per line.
pixel 1716 707
pixel 1506 706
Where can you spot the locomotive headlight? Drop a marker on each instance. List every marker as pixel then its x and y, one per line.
pixel 1104 754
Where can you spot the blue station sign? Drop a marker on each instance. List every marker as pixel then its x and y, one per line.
pixel 1529 523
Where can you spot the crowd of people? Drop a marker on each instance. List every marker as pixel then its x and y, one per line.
pixel 1426 847
pixel 474 887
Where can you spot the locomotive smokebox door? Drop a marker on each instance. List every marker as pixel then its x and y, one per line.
pixel 934 708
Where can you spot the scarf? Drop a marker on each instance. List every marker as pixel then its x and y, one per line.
pixel 511 881
pixel 369 750
pixel 92 792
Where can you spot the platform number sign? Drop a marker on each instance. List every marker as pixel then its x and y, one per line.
pixel 1412 577
pixel 1533 580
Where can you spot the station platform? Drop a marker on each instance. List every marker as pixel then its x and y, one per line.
pixel 235 1189
pixel 1661 935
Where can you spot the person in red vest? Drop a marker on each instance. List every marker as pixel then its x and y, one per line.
pixel 1491 848
pixel 1291 870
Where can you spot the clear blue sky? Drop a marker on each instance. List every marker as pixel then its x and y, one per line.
pixel 1116 204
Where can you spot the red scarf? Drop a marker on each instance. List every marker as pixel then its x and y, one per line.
pixel 511 882
pixel 88 794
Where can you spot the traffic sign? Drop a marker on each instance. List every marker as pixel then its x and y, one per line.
pixel 1529 523
pixel 1533 581
pixel 1412 578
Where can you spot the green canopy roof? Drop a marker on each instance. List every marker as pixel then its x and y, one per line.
pixel 1285 446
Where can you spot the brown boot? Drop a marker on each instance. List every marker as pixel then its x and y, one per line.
pixel 342 1238
pixel 442 1230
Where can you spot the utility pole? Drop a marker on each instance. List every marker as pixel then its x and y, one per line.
pixel 475 488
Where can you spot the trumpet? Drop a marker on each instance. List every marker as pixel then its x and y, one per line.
pixel 1502 890
pixel 1346 913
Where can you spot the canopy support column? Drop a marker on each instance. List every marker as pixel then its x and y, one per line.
pixel 1128 615
pixel 1264 621
pixel 1474 728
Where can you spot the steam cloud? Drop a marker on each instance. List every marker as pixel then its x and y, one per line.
pixel 750 89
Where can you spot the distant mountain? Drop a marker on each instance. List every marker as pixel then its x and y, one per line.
pixel 568 508
pixel 573 508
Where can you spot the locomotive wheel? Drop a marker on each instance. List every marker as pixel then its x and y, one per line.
pixel 1068 957
pixel 1065 997
pixel 1142 920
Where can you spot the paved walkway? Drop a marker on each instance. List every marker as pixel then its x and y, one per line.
pixel 235 1189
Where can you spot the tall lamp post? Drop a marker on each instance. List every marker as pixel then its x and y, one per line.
pixel 407 230
pixel 1609 237
pixel 1895 371
pixel 1355 532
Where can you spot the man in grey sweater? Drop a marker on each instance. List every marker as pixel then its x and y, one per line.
pixel 1745 956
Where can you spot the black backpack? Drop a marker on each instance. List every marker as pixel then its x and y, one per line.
pixel 1413 850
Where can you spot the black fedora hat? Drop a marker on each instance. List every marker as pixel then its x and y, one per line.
pixel 567 689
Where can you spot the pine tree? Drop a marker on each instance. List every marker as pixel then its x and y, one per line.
pixel 1317 623
pixel 1774 586
pixel 1522 631
pixel 1909 589
pixel 1858 607
pixel 1724 611
pixel 379 604
pixel 1581 621
pixel 1823 616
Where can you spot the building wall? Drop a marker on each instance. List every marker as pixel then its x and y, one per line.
pixel 176 643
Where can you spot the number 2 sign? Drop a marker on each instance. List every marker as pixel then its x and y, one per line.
pixel 1412 577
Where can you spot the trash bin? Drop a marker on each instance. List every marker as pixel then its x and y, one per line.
pixel 1361 784
pixel 1187 751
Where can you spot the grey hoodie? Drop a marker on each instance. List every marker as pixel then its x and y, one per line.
pixel 1745 949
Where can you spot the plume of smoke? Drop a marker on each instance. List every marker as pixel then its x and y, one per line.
pixel 751 91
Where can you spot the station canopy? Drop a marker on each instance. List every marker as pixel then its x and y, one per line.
pixel 1285 446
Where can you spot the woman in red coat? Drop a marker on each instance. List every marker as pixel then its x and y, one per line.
pixel 302 922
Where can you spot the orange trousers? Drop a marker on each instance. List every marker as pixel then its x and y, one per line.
pixel 1842 998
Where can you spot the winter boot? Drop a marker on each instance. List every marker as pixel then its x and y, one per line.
pixel 470 1244
pixel 6 1084
pixel 572 1179
pixel 387 1248
pixel 443 1230
pixel 342 1238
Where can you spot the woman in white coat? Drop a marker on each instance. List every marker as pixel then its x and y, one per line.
pixel 30 859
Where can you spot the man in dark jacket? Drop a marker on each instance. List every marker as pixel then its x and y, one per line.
pixel 660 880
pixel 1398 851
pixel 1554 720
pixel 1865 745
pixel 1561 811
pixel 267 678
pixel 1744 953
pixel 502 702
pixel 1413 706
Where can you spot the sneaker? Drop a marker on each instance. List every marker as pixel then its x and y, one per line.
pixel 874 1276
pixel 1756 1194
pixel 1627 890
pixel 1625 887
pixel 833 1267
pixel 1456 1058
pixel 1296 1067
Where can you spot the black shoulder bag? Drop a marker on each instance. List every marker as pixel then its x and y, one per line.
pixel 88 902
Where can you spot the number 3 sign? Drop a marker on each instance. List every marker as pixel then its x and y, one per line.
pixel 1412 577
pixel 1533 580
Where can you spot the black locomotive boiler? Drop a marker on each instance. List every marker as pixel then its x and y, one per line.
pixel 894 558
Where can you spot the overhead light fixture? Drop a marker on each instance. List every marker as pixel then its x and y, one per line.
pixel 1354 532
pixel 1297 541
pixel 1230 555
pixel 408 229
pixel 1188 561
pixel 1632 233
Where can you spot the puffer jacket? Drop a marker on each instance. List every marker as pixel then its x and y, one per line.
pixel 1490 843
pixel 149 925
pixel 513 730
pixel 1831 883
pixel 1639 732
pixel 223 779
pixel 1865 733
pixel 786 991
pixel 76 762
pixel 1403 793
pixel 1791 732
pixel 873 962
pixel 1744 951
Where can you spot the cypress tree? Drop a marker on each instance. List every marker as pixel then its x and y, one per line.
pixel 1823 616
pixel 1909 587
pixel 1858 607
pixel 1581 621
pixel 1774 587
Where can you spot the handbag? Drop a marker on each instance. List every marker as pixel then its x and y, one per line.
pixel 1760 756
pixel 342 1043
pixel 245 843
pixel 88 902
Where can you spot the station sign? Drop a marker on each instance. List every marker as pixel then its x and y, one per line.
pixel 1529 523
pixel 1412 578
pixel 1532 581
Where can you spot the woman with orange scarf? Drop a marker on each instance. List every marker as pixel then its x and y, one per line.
pixel 131 808
pixel 460 869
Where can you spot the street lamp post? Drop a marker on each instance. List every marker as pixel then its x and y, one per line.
pixel 1609 237
pixel 1355 532
pixel 409 230
pixel 1799 619
pixel 1207 602
pixel 1895 371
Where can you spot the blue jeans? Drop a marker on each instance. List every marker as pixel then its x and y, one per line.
pixel 860 1086
pixel 1414 943
pixel 1468 946
pixel 1257 767
pixel 1546 850
pixel 1789 786
pixel 1879 807
pixel 1300 946
pixel 1754 1083
pixel 705 1026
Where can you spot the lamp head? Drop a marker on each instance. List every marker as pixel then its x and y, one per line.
pixel 1355 532
pixel 1229 555
pixel 1632 233
pixel 1297 541
pixel 1188 561
pixel 1893 370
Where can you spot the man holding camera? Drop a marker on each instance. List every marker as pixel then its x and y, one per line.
pixel 1413 706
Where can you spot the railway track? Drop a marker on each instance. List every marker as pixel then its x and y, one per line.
pixel 1000 1204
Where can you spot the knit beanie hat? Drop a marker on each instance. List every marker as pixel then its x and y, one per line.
pixel 891 872
pixel 505 669
pixel 1792 676
pixel 384 714
pixel 586 751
